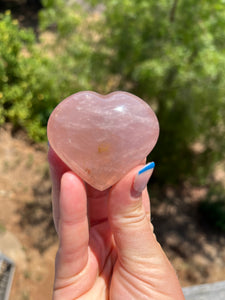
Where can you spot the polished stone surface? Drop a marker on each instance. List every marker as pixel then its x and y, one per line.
pixel 101 138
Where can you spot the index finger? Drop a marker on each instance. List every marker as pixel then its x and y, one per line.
pixel 57 168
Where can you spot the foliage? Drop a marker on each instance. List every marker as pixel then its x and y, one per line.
pixel 58 14
pixel 170 53
pixel 11 41
pixel 32 82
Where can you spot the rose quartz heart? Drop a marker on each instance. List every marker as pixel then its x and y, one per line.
pixel 101 138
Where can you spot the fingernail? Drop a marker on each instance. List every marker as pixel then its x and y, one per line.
pixel 142 178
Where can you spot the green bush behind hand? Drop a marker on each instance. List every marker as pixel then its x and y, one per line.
pixel 170 53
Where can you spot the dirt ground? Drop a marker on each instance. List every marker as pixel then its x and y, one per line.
pixel 196 251
pixel 25 205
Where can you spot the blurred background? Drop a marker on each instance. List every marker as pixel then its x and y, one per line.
pixel 171 53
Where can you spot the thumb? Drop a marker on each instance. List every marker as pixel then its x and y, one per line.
pixel 139 253
pixel 129 220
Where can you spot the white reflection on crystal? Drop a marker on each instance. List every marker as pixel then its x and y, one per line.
pixel 120 108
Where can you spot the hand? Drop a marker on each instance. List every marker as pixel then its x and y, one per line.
pixel 107 248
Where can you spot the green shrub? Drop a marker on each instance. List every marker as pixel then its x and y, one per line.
pixel 13 43
pixel 170 53
pixel 32 82
pixel 21 69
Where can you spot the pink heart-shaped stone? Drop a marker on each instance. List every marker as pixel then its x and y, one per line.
pixel 101 138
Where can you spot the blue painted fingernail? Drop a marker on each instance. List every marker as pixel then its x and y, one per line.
pixel 141 180
pixel 149 166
